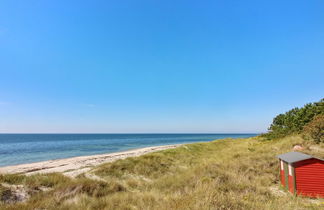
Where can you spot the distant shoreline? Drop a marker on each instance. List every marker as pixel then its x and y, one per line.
pixel 76 165
pixel 257 133
pixel 19 149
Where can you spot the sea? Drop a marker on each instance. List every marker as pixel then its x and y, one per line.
pixel 28 148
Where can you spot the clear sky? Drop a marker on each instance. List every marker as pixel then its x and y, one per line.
pixel 169 66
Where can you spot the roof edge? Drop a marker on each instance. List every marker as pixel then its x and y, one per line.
pixel 292 157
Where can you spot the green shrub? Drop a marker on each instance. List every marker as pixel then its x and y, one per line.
pixel 315 129
pixel 293 121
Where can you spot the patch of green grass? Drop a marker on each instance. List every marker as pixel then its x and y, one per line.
pixel 12 178
pixel 34 181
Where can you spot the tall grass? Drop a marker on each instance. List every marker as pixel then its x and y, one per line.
pixel 223 174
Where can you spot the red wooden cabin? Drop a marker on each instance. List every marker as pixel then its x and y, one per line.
pixel 302 174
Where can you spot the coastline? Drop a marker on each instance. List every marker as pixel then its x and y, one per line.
pixel 19 149
pixel 76 165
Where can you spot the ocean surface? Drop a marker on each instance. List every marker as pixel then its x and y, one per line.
pixel 27 148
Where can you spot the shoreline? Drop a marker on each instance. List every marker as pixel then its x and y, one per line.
pixel 76 165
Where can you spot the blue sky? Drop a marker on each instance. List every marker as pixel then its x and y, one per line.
pixel 157 66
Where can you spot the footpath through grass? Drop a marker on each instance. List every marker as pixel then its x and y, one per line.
pixel 223 174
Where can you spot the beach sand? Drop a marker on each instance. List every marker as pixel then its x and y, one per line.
pixel 77 165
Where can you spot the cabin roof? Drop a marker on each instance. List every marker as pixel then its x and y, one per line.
pixel 292 157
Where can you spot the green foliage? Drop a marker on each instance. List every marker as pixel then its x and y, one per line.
pixel 36 180
pixel 293 121
pixel 315 129
pixel 12 178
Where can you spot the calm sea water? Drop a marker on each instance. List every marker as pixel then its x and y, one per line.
pixel 28 148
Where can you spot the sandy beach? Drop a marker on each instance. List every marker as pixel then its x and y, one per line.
pixel 77 165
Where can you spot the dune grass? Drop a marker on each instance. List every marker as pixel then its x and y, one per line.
pixel 223 174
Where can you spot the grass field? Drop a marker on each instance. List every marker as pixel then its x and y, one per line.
pixel 223 174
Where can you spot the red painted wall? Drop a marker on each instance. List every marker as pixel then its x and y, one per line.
pixel 310 177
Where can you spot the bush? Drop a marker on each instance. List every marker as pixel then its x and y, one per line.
pixel 293 121
pixel 315 129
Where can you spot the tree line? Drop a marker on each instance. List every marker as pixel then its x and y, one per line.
pixel 307 120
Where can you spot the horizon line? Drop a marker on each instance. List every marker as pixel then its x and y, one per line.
pixel 148 133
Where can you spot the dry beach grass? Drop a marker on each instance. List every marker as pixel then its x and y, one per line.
pixel 223 174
